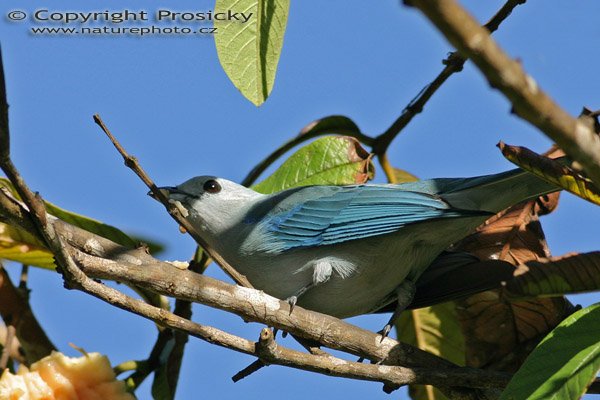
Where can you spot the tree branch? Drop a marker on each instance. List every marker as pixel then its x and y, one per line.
pixel 529 101
pixel 454 63
pixel 392 376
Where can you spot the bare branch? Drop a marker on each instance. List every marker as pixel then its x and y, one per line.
pixel 392 376
pixel 529 101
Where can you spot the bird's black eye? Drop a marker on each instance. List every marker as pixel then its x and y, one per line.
pixel 212 186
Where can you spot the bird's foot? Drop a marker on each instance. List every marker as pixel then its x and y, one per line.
pixel 404 296
pixel 292 302
pixel 385 331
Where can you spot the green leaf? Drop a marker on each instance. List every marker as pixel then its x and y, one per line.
pixel 330 125
pixel 556 276
pixel 552 171
pixel 22 247
pixel 332 160
pixel 249 51
pixel 564 363
pixel 436 330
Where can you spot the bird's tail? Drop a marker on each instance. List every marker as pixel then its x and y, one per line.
pixel 496 192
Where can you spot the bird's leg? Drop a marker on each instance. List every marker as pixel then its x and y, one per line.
pixel 404 295
pixel 322 270
pixel 294 298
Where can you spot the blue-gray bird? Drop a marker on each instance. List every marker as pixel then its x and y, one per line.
pixel 345 250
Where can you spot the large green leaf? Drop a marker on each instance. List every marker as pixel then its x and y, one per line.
pixel 249 51
pixel 563 364
pixel 332 160
pixel 436 330
pixel 22 247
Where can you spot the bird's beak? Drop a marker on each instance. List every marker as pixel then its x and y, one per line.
pixel 167 190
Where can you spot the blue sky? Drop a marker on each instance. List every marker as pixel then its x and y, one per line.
pixel 170 104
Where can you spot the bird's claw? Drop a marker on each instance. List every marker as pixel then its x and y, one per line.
pixel 385 331
pixel 292 302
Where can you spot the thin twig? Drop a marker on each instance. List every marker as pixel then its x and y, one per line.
pixel 504 12
pixel 249 370
pixel 454 63
pixel 133 164
pixel 529 101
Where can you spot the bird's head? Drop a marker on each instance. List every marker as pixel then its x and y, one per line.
pixel 213 205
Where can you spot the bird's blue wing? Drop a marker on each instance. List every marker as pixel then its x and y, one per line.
pixel 351 213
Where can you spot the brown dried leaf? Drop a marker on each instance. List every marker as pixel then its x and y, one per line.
pixel 514 235
pixel 498 333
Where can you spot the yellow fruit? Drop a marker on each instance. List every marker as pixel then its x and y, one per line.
pixel 58 377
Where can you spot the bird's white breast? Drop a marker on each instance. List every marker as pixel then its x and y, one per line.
pixel 367 272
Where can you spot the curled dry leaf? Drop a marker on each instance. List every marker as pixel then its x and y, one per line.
pixel 553 171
